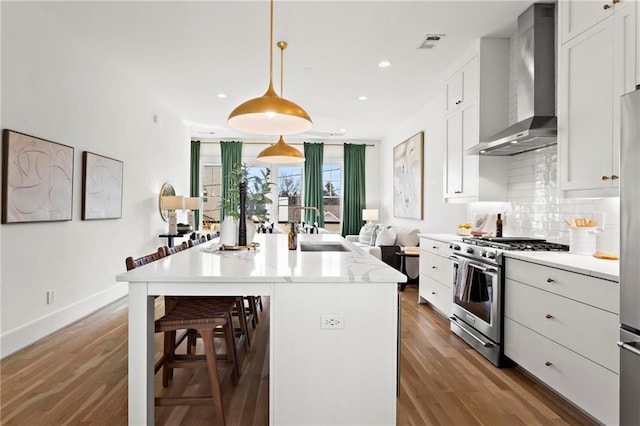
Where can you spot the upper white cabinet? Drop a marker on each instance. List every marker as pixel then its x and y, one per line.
pixel 597 65
pixel 476 94
pixel 462 87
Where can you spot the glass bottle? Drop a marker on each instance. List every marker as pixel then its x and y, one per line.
pixel 293 237
pixel 499 226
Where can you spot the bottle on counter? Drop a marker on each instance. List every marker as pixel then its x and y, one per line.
pixel 499 226
pixel 293 237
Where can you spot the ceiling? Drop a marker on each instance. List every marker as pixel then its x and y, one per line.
pixel 186 53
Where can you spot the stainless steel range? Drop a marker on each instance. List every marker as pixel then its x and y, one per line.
pixel 478 286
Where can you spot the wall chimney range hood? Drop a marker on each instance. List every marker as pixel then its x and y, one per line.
pixel 536 126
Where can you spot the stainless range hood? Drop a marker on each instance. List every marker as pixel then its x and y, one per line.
pixel 536 126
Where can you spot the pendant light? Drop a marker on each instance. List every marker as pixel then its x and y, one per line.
pixel 270 114
pixel 281 152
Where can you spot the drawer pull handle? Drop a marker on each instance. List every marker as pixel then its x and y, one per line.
pixel 458 102
pixel 548 316
pixel 606 6
pixel 550 280
pixel 433 292
pixel 616 1
pixel 548 363
pixel 434 267
pixel 434 247
pixel 605 177
pixel 615 177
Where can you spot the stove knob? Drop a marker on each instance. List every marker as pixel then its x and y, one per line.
pixel 454 246
pixel 470 250
pixel 483 253
pixel 491 255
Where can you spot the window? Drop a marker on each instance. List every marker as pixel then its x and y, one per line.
pixel 332 189
pixel 211 192
pixel 289 192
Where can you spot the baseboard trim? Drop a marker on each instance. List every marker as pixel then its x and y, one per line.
pixel 27 334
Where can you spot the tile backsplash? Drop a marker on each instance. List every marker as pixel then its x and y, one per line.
pixel 536 207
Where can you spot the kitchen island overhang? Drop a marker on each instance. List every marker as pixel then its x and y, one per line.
pixel 317 375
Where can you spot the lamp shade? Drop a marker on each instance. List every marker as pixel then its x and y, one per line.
pixel 281 153
pixel 192 203
pixel 270 114
pixel 172 202
pixel 370 214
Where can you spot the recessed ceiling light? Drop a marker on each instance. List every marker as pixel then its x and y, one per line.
pixel 222 95
pixel 384 64
pixel 362 98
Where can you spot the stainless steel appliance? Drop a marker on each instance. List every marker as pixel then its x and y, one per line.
pixel 629 266
pixel 478 286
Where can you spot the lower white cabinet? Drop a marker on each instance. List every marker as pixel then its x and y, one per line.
pixel 590 386
pixel 436 275
pixel 562 327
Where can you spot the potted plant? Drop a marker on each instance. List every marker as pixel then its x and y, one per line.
pixel 257 197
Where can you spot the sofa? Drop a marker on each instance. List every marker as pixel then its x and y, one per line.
pixel 382 241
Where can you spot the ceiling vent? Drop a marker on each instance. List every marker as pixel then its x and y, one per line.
pixel 430 41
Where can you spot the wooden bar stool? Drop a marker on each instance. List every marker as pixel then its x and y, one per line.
pixel 200 314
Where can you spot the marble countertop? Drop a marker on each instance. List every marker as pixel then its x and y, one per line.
pixel 582 264
pixel 271 262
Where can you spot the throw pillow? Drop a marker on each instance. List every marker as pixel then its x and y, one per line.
pixel 408 238
pixel 364 237
pixel 386 237
pixel 374 235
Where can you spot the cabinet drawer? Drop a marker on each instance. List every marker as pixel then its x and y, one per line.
pixel 434 246
pixel 583 288
pixel 438 295
pixel 437 267
pixel 588 385
pixel 589 331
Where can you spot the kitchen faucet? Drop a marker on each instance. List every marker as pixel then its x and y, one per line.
pixel 298 208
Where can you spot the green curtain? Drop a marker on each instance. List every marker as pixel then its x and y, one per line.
pixel 231 155
pixel 354 197
pixel 313 189
pixel 195 178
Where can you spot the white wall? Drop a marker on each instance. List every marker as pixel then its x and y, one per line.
pixel 54 88
pixel 439 217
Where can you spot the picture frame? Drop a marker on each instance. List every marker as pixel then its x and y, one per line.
pixel 408 175
pixel 37 179
pixel 102 179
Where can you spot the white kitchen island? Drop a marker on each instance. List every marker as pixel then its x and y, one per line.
pixel 317 376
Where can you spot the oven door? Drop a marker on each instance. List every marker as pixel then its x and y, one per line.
pixel 476 295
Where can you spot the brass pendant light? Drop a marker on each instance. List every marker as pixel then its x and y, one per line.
pixel 281 152
pixel 270 114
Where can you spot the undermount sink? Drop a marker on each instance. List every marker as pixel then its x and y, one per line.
pixel 322 246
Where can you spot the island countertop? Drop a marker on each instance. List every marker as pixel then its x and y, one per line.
pixel 272 261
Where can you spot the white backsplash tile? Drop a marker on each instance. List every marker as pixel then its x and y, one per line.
pixel 537 209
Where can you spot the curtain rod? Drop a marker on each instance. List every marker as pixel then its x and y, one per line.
pixel 290 143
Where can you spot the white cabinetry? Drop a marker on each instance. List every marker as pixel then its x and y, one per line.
pixel 476 108
pixel 436 275
pixel 597 65
pixel 562 327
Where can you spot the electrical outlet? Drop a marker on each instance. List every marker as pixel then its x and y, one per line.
pixel 49 297
pixel 331 322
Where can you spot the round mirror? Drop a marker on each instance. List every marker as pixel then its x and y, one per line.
pixel 166 190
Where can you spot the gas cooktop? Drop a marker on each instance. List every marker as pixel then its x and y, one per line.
pixel 516 243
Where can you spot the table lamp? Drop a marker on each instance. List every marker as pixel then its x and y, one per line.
pixel 370 215
pixel 191 204
pixel 171 203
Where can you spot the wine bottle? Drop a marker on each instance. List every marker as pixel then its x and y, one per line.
pixel 499 226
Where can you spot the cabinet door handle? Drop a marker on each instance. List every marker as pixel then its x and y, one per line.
pixel 550 280
pixel 458 102
pixel 614 177
pixel 605 177
pixel 548 363
pixel 433 292
pixel 548 316
pixel 616 1
pixel 457 192
pixel 606 6
pixel 434 267
pixel 434 247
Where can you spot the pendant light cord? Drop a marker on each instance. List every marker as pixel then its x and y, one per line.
pixel 271 47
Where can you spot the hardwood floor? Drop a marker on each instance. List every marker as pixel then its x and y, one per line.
pixel 78 376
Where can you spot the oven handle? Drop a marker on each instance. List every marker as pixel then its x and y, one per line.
pixel 459 324
pixel 475 265
pixel 628 347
